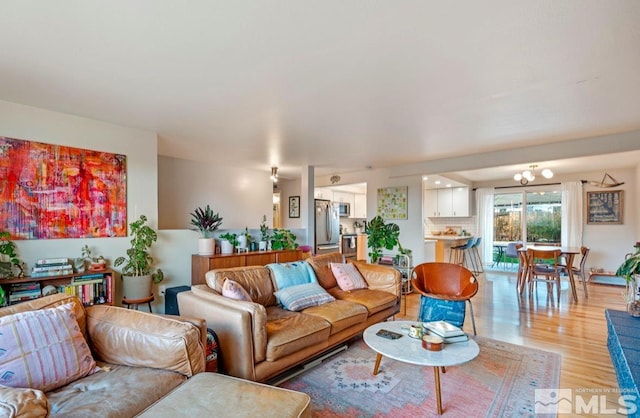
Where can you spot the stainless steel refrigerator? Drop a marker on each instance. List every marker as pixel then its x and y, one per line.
pixel 327 234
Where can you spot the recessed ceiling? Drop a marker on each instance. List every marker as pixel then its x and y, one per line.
pixel 340 85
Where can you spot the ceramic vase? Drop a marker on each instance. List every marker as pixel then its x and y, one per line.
pixel 206 246
pixel 226 247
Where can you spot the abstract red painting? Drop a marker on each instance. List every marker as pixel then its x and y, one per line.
pixel 51 191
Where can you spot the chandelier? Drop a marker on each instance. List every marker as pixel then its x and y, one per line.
pixel 530 175
pixel 274 174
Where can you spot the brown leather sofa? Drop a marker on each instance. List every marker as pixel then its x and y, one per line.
pixel 260 340
pixel 151 365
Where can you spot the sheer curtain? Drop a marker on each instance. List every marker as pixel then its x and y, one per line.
pixel 484 220
pixel 571 235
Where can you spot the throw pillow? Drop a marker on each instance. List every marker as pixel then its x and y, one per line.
pixel 234 290
pixel 348 276
pixel 292 274
pixel 299 297
pixel 43 349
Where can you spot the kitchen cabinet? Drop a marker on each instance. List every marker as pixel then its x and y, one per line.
pixel 323 193
pixel 345 197
pixel 449 202
pixel 359 209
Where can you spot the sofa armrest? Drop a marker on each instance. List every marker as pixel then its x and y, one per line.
pixel 380 277
pixel 200 323
pixel 134 338
pixel 23 403
pixel 241 327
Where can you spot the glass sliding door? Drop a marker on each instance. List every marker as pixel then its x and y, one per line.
pixel 543 225
pixel 507 219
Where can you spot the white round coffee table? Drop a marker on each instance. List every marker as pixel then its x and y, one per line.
pixel 409 350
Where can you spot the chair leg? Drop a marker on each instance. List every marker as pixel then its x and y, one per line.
pixel 473 319
pixel 478 259
pixel 584 286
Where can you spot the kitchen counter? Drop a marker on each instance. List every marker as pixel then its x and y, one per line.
pixel 444 244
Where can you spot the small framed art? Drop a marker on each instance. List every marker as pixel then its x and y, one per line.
pixel 294 206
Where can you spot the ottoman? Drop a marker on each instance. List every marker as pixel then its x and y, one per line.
pixel 208 394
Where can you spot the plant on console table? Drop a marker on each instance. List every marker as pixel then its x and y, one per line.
pixel 207 222
pixel 283 239
pixel 264 234
pixel 228 241
pixel 630 270
pixel 138 273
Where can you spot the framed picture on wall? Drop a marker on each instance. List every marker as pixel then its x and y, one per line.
pixel 605 207
pixel 294 206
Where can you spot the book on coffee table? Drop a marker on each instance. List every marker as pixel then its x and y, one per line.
pixel 443 329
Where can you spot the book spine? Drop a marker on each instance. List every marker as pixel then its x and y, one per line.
pixel 51 273
pixel 89 277
pixel 44 261
pixel 39 269
pixel 84 282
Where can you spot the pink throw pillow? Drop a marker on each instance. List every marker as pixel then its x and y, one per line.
pixel 348 276
pixel 43 349
pixel 234 290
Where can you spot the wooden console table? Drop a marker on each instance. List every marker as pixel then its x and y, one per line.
pixel 201 264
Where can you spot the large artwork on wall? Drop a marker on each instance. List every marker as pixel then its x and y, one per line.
pixel 51 191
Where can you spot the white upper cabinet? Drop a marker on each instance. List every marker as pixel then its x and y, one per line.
pixel 359 209
pixel 449 202
pixel 323 193
pixel 345 197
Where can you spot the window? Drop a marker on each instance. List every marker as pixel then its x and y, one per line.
pixel 542 223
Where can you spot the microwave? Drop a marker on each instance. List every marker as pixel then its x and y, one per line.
pixel 344 209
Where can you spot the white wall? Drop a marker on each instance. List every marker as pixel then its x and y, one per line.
pixel 140 147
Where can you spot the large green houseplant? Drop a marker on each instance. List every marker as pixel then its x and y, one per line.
pixel 630 270
pixel 8 255
pixel 381 236
pixel 207 222
pixel 138 272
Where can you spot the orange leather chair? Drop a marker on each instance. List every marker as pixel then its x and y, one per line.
pixel 446 281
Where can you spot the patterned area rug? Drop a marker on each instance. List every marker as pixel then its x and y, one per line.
pixel 500 382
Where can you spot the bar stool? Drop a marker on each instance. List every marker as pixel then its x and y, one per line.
pixel 476 255
pixel 459 252
pixel 136 302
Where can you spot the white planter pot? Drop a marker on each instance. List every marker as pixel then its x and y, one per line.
pixel 262 245
pixel 206 246
pixel 136 287
pixel 226 247
pixel 242 241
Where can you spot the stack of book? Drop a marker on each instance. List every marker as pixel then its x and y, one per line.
pixel 448 332
pixel 47 267
pixel 20 292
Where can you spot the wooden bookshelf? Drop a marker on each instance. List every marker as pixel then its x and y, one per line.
pixel 92 293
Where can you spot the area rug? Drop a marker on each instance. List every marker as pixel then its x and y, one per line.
pixel 500 382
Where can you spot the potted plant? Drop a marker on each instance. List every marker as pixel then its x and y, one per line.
pixel 244 238
pixel 630 270
pixel 205 221
pixel 96 263
pixel 283 239
pixel 8 256
pixel 381 236
pixel 138 273
pixel 264 234
pixel 228 241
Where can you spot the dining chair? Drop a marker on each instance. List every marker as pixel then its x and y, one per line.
pixel 523 269
pixel 579 271
pixel 511 252
pixel 445 282
pixel 544 263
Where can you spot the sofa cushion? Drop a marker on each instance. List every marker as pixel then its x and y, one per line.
pixel 233 290
pixel 374 300
pixel 321 265
pixel 119 391
pixel 291 274
pixel 348 276
pixel 256 280
pixel 23 403
pixel 288 332
pixel 341 314
pixel 299 297
pixel 43 349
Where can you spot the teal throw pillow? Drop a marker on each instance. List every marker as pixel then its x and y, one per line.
pixel 292 274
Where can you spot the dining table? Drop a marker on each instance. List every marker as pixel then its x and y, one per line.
pixel 569 254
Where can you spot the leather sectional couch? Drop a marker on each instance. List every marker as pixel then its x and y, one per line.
pixel 260 339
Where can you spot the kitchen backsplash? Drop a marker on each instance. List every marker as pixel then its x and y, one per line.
pixel 348 227
pixel 440 224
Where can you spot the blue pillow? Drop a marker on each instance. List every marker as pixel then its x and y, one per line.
pixel 299 297
pixel 432 309
pixel 292 274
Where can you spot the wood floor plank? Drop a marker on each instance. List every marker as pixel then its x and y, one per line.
pixel 575 330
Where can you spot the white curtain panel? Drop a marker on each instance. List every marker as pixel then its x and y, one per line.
pixel 484 200
pixel 572 213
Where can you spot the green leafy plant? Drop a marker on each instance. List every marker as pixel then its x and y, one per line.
pixel 8 255
pixel 283 239
pixel 231 237
pixel 247 234
pixel 138 261
pixel 87 255
pixel 381 236
pixel 264 229
pixel 630 266
pixel 205 221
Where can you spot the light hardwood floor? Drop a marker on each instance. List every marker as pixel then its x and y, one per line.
pixel 576 331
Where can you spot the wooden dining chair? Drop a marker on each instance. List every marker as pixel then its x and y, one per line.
pixel 544 266
pixel 523 269
pixel 580 270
